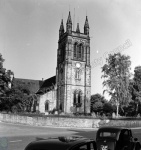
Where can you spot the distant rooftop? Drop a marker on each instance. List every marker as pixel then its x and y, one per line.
pixel 33 85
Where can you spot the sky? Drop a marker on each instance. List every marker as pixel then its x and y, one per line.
pixel 29 32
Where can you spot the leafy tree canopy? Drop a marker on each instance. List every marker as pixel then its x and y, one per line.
pixel 97 97
pixel 11 96
pixel 108 108
pixel 135 90
pixel 97 101
pixel 137 79
pixel 116 74
pixel 5 77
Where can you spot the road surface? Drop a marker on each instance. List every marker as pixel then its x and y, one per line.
pixel 16 136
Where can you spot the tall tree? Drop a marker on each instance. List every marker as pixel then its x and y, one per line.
pixel 5 80
pixel 135 87
pixel 116 74
pixel 14 97
pixel 17 99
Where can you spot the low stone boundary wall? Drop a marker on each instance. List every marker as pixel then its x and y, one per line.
pixel 68 122
pixel 50 121
pixel 124 123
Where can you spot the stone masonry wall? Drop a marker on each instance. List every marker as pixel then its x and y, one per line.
pixel 67 122
pixel 50 121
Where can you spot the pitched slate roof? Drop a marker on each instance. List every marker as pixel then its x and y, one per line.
pixel 33 85
pixel 48 85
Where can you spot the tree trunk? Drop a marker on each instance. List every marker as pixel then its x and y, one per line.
pixel 117 110
pixel 137 107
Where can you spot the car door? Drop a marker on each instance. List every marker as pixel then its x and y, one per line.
pixel 125 139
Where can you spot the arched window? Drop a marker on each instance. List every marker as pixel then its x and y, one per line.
pixel 61 107
pixel 78 74
pixel 79 97
pixel 47 106
pixel 79 52
pixel 74 101
pixel 75 50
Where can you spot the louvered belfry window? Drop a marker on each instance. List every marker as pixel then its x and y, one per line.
pixel 78 51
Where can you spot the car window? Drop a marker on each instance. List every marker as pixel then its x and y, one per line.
pixel 87 146
pixel 84 147
pixel 81 147
pixel 107 134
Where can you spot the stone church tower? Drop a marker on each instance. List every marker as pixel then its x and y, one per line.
pixel 73 71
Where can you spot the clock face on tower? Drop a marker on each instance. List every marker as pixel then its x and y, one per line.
pixel 78 65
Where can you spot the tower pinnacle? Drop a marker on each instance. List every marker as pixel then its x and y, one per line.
pixel 77 29
pixel 69 24
pixel 86 27
pixel 69 19
pixel 61 30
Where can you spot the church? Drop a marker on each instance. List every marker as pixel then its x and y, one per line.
pixel 70 90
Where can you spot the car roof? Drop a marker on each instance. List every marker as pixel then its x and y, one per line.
pixel 114 128
pixel 111 128
pixel 62 143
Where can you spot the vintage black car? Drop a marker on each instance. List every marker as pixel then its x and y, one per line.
pixel 116 138
pixel 62 143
